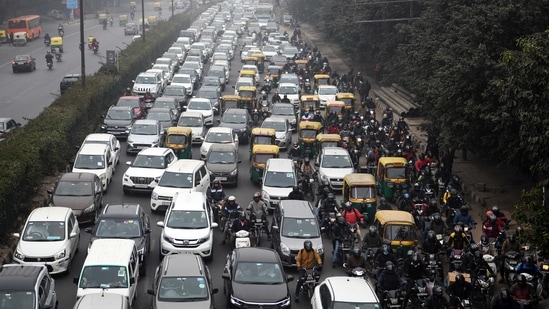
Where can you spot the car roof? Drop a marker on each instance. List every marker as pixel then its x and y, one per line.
pixel 160 109
pixel 182 75
pixel 222 147
pixel 191 114
pixel 296 209
pixel 52 213
pixel 147 74
pixel 117 107
pixel 189 201
pixel 275 119
pixel 236 111
pixel 77 177
pixel 146 121
pixel 93 149
pixel 16 277
pixel 122 209
pixel 5 119
pixel 349 289
pixel 185 165
pixel 154 151
pixel 287 85
pixel 335 151
pixel 183 264
pixel 256 254
pixel 220 130
pixel 98 137
pixel 209 88
pixel 199 100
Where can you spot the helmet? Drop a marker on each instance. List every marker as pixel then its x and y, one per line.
pixel 474 247
pixel 453 192
pixel 385 249
pixel 464 208
pixel 356 251
pixel 307 160
pixel 383 200
pixel 458 228
pixel 512 238
pixel 414 257
pixel 242 215
pixel 358 73
pixel 348 204
pixel 389 265
pixel 47 52
pixel 406 196
pixel 325 183
pixel 257 195
pixel 495 209
pixel 217 182
pixel 128 89
pixel 437 217
pixel 489 213
pixel 409 253
pixel 478 255
pixel 484 240
pixel 528 259
pixel 460 278
pixel 296 145
pixel 431 235
pixel 306 112
pixel 437 291
pixel 433 202
pixel 331 196
pixel 372 230
pixel 504 293
pixel 308 245
pixel 340 220
pixel 296 188
pixel 231 199
pixel 285 96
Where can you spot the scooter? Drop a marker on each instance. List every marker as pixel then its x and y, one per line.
pixel 60 31
pixel 50 65
pixel 242 239
pixel 47 42
pixel 95 49
pixel 58 57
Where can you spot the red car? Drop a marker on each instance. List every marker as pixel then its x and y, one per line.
pixel 134 102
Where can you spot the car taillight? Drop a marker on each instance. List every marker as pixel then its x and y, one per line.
pixel 28 62
pixel 13 62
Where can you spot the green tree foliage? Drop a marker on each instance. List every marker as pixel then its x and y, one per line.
pixel 532 214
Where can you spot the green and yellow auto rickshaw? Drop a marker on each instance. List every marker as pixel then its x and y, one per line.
pixel 248 98
pixel 56 43
pixel 320 79
pixel 229 101
pixel 275 71
pixel 307 132
pixel 122 20
pixel 179 139
pixel 309 103
pixel 392 176
pixel 19 38
pixel 3 36
pixel 334 107
pixel 153 20
pixel 157 6
pixel 397 227
pixel 349 100
pixel 249 73
pixel 260 155
pixel 328 140
pixel 262 136
pixel 360 190
pixel 260 62
pixel 102 17
pixel 250 61
pixel 301 64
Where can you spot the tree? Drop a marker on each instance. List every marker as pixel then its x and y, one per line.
pixel 532 213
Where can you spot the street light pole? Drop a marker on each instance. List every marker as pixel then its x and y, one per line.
pixel 82 54
pixel 142 17
pixel 173 8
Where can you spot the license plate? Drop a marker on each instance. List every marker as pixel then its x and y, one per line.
pixel 141 186
pixel 166 203
pixel 221 178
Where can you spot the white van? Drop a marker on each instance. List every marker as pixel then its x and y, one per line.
pixel 279 179
pixel 112 266
pixel 96 159
pixel 188 226
pixel 183 176
pixel 103 301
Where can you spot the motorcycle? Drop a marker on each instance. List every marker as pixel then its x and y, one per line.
pixel 312 276
pixel 491 260
pixel 60 30
pixel 420 293
pixel 95 48
pixel 255 117
pixel 370 256
pixel 357 272
pixel 511 260
pixel 217 208
pixel 226 223
pixel 419 207
pixel 258 229
pixel 307 185
pixel 463 303
pixel 49 64
pixel 347 243
pixel 483 290
pixel 47 42
pixel 535 282
pixel 307 85
pixel 433 265
pixel 329 224
pixel 544 268
pixel 242 239
pixel 456 260
pixel 58 57
pixel 393 299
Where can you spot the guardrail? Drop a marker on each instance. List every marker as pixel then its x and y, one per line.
pixel 400 100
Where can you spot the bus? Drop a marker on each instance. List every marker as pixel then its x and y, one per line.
pixel 29 24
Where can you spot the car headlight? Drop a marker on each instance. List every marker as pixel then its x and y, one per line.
pixel 284 249
pixel 60 255
pixel 320 249
pixel 155 143
pixel 129 127
pixel 154 196
pixel 293 121
pixel 265 195
pixel 285 303
pixel 237 302
pixel 18 255
pixel 324 177
pixel 125 178
pixel 283 137
pixel 202 240
pixel 103 176
pixel 89 208
pixel 103 127
pixel 168 239
pixel 233 172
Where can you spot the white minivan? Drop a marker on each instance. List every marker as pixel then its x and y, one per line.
pixel 96 159
pixel 184 176
pixel 112 266
pixel 279 179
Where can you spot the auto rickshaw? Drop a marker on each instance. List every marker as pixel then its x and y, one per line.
pixel 157 6
pixel 260 62
pixel 56 42
pixel 250 60
pixel 336 107
pixel 133 5
pixel 179 139
pixel 320 79
pixel 275 72
pixel 3 36
pixel 328 140
pixel 349 100
pixel 248 97
pixel 102 17
pixel 153 20
pixel 122 20
pixel 399 228
pixel 360 190
pixel 301 64
pixel 392 176
pixel 262 136
pixel 310 103
pixel 249 73
pixel 19 39
pixel 260 155
pixel 307 132
pixel 229 101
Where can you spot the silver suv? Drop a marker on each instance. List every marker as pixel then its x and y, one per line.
pixel 17 280
pixel 144 133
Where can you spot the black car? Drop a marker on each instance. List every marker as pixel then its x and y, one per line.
pixel 67 81
pixel 119 120
pixel 255 275
pixel 240 121
pixel 170 103
pixel 179 93
pixel 212 81
pixel 165 116
pixel 211 93
pixel 126 221
pixel 23 63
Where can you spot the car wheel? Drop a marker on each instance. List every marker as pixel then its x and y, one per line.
pixel 14 71
pixel 126 191
pixel 143 270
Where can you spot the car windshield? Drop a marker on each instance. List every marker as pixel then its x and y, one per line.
pixel 190 122
pixel 327 90
pixel 234 118
pixel 211 81
pixel 174 91
pixel 105 277
pixel 176 180
pixel 287 90
pixel 16 299
pixel 181 80
pixel 349 305
pixel 131 103
pixel 199 105
pixel 269 48
pixel 336 161
pixel 182 289
pixel 278 126
pixel 119 115
pixel 89 162
pixel 283 110
pixel 178 139
pixel 291 79
pixel 44 231
pixel 222 157
pixel 145 161
pixel 118 228
pixel 279 179
pixel 175 50
pixel 207 94
pixel 300 228
pixel 144 129
pixel 218 137
pixel 396 172
pixel 262 157
pixel 74 188
pixel 145 80
pixel 217 73
pixel 163 104
pixel 159 115
pixel 363 192
pixel 258 273
pixel 22 58
pixel 187 219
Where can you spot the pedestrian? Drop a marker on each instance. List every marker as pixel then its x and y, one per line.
pixel 377 69
pixel 11 39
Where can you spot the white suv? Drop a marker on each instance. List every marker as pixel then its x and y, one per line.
pixel 151 82
pixel 333 164
pixel 187 226
pixel 147 168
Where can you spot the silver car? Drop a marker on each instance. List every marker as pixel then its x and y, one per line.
pixel 283 130
pixel 144 134
pixel 285 111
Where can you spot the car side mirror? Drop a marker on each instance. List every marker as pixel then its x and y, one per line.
pixel 50 191
pixel 215 291
pixel 289 278
pixel 148 231
pixel 75 280
pixel 151 292
pixel 132 280
pixel 239 161
pixel 226 276
pixel 88 230
pixel 274 228
pixel 317 164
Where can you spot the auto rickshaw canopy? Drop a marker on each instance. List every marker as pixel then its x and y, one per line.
pixel 274 70
pixel 230 101
pixel 309 129
pixel 3 36
pixel 247 92
pixel 249 73
pixel 328 140
pixel 347 98
pixel 396 217
pixel 322 79
pixel 263 136
pixel 153 20
pixel 384 163
pixel 269 151
pixel 336 107
pixel 102 17
pixel 122 20
pixel 250 60
pixel 310 103
pixel 180 137
pixel 301 64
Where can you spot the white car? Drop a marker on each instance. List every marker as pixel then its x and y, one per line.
pixel 51 236
pixel 203 106
pixel 282 128
pixel 108 139
pixel 291 91
pixel 326 93
pixel 225 64
pixel 333 163
pixel 218 135
pixel 147 168
pixel 252 67
pixel 195 121
pixel 269 51
pixel 346 292
pixel 184 80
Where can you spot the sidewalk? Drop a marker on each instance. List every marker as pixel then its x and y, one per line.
pixel 486 182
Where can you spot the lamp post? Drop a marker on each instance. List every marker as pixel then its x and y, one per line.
pixel 82 54
pixel 173 8
pixel 142 17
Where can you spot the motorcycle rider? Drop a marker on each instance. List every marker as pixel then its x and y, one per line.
pixel 127 92
pixel 47 39
pixel 430 244
pixel 307 116
pixel 285 99
pixel 323 190
pixel 372 239
pixel 405 203
pixel 318 117
pixel 306 258
pixel 500 216
pixel 354 260
pixel 385 256
pixel 230 206
pixel 276 98
pixel 459 289
pixel 452 200
pixel 49 57
pixel 491 226
pixel 148 96
pixel 522 291
pixel 437 300
pixel 465 218
pixel 510 244
pixel 504 300
pixel 296 194
pixel 478 266
pixel 341 230
pixel 242 224
pixel 458 239
pixel 388 280
pixel 216 193
pixel 430 211
pixel 328 205
pixel 307 169
pixel 353 217
pixel 438 225
pixel 413 270
pixel 530 267
pixel 294 152
pixel 258 209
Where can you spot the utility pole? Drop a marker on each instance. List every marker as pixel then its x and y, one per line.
pixel 82 54
pixel 142 17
